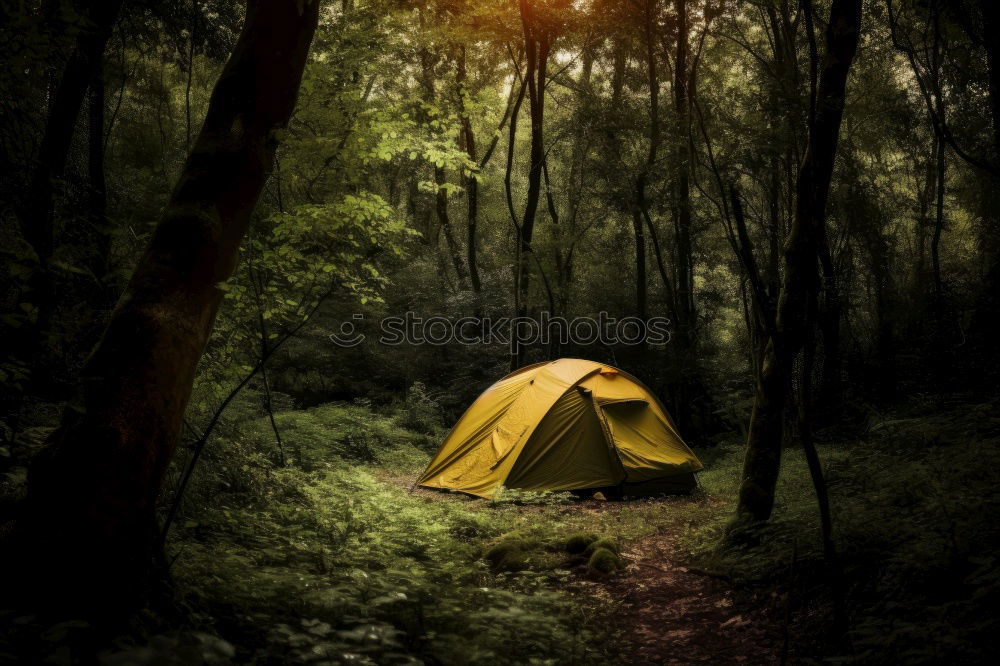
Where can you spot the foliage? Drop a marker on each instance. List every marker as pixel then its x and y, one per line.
pixel 297 540
pixel 330 563
pixel 517 496
pixel 915 536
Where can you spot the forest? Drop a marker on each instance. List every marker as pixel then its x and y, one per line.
pixel 529 332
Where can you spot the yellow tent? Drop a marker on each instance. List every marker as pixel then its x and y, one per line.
pixel 564 425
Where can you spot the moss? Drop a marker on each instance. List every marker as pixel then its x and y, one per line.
pixel 604 562
pixel 513 554
pixel 575 544
pixel 602 543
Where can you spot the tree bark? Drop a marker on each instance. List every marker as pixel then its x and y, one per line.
pixel 471 182
pixel 991 39
pixel 940 172
pixel 98 183
pixel 441 209
pixel 801 280
pixel 682 187
pixel 829 314
pixel 88 521
pixel 641 205
pixel 537 43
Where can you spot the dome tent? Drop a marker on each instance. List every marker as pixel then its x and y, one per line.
pixel 568 424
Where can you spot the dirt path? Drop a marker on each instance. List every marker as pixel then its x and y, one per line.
pixel 669 614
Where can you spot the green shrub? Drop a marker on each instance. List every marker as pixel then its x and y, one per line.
pixel 350 432
pixel 420 412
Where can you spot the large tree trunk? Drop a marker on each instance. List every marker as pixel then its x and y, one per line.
pixel 88 519
pixel 801 281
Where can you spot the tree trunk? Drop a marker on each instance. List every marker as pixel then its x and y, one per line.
pixel 641 309
pixel 441 208
pixel 641 206
pixel 801 280
pixel 37 218
pixel 37 222
pixel 939 191
pixel 440 211
pixel 98 186
pixel 925 194
pixel 991 39
pixel 987 309
pixel 88 520
pixel 829 314
pixel 885 343
pixel 682 187
pixel 471 182
pixel 575 185
pixel 537 45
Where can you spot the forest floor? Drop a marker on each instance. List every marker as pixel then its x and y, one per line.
pixel 662 610
pixel 334 559
pixel 919 567
pixel 669 613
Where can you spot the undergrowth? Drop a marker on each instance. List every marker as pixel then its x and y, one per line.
pixel 321 561
pixel 315 552
pixel 916 519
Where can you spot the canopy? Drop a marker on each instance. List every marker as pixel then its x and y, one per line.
pixel 569 424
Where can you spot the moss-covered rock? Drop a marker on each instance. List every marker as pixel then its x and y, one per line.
pixel 576 544
pixel 604 562
pixel 602 543
pixel 514 554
